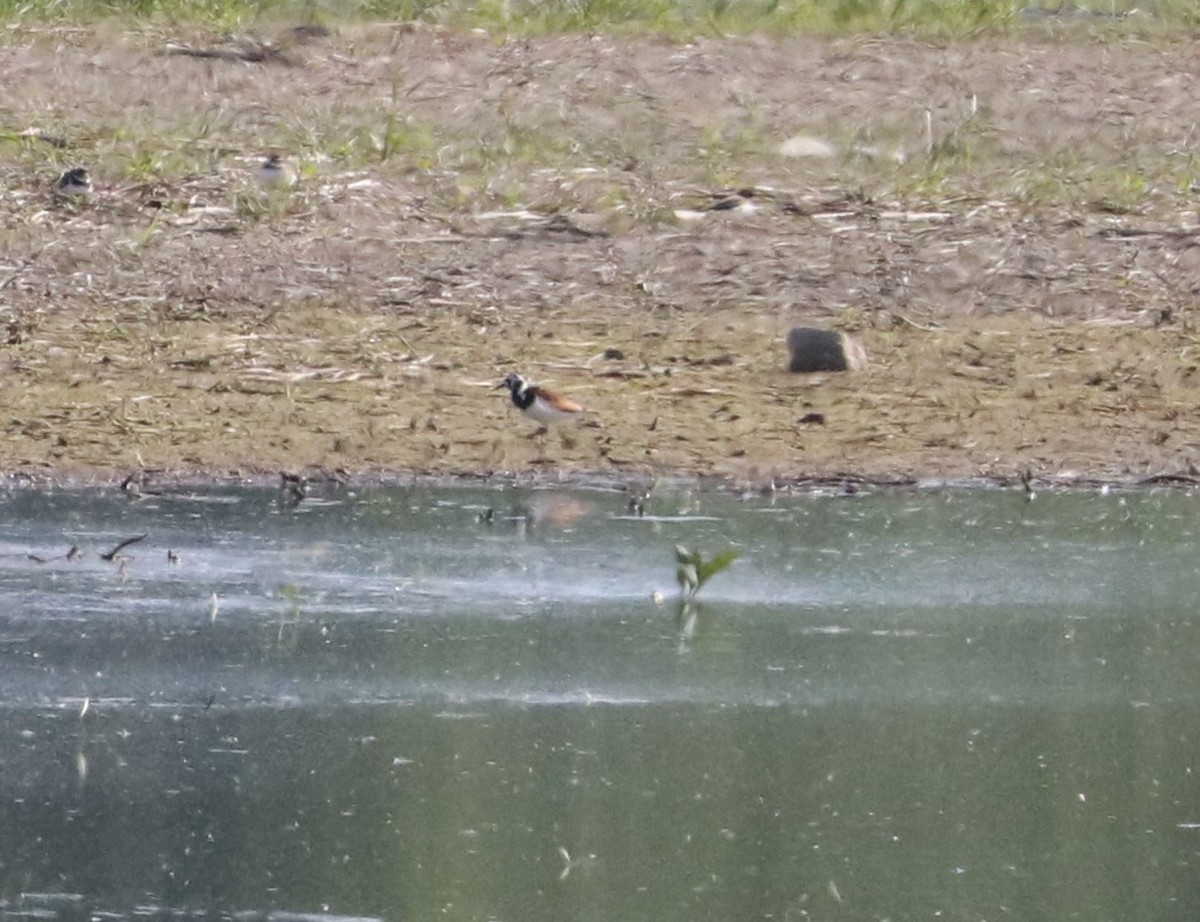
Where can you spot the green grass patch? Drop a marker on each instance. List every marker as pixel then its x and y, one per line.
pixel 679 18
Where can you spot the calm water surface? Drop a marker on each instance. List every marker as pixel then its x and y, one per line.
pixel 926 705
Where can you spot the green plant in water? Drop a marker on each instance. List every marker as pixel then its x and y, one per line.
pixel 290 593
pixel 692 571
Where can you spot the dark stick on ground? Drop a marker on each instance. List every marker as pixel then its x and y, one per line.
pixel 112 555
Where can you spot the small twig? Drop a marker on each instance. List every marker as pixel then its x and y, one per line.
pixel 112 555
pixel 13 276
pixel 253 53
pixel 915 325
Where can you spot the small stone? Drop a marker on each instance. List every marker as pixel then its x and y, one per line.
pixel 804 146
pixel 812 350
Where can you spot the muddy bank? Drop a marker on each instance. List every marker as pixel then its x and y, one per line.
pixel 575 210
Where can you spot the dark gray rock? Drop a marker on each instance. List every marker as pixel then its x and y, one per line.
pixel 812 349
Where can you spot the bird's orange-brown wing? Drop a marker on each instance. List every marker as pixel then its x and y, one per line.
pixel 558 401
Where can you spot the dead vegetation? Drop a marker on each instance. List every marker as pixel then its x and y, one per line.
pixel 1008 226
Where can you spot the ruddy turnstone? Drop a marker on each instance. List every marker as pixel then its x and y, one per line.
pixel 74 183
pixel 540 405
pixel 276 173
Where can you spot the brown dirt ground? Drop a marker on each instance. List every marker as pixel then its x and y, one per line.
pixel 1026 296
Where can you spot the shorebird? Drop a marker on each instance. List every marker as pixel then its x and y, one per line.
pixel 74 183
pixel 276 173
pixel 539 404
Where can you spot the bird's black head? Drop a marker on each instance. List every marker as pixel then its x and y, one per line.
pixel 522 394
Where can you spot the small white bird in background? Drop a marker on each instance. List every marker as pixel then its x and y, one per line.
pixel 74 183
pixel 277 173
